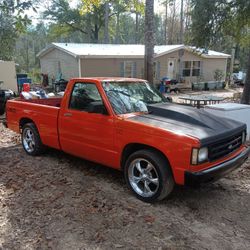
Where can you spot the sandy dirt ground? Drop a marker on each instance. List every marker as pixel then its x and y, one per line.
pixel 57 201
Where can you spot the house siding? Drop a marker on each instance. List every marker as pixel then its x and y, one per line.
pixel 187 56
pixel 213 64
pixel 209 65
pixel 52 62
pixel 109 67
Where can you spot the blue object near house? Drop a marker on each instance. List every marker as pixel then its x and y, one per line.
pixel 162 87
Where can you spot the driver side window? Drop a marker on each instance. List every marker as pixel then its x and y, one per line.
pixel 83 95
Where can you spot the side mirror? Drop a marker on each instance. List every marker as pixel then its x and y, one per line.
pixel 97 107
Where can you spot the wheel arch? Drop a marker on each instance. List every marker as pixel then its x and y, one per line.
pixel 24 121
pixel 133 147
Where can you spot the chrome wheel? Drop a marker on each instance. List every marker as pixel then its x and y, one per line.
pixel 28 140
pixel 143 177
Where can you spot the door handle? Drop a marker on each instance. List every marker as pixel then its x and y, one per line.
pixel 67 114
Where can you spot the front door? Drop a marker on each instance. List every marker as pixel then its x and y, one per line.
pixel 171 68
pixel 84 134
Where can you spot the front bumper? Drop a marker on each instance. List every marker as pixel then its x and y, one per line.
pixel 214 173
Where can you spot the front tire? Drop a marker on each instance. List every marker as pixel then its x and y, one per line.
pixel 148 175
pixel 31 140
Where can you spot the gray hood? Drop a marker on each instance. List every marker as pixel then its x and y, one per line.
pixel 190 121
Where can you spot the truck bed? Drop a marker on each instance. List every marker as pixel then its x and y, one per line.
pixel 43 112
pixel 55 102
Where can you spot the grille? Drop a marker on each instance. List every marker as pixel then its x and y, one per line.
pixel 221 148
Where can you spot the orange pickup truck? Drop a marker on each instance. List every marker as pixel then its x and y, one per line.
pixel 128 125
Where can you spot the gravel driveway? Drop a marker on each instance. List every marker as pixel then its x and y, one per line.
pixel 56 201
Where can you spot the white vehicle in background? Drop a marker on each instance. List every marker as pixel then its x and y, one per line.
pixel 239 78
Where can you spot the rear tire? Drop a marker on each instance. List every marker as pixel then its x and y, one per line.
pixel 31 140
pixel 148 175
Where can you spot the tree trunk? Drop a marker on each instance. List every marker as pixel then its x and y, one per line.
pixel 246 92
pixel 117 35
pixel 166 23
pixel 187 15
pixel 89 29
pixel 27 55
pixel 96 26
pixel 106 23
pixel 171 33
pixel 136 27
pixel 232 64
pixel 96 35
pixel 149 41
pixel 181 23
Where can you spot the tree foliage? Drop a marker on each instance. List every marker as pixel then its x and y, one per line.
pixel 214 20
pixel 89 16
pixel 13 21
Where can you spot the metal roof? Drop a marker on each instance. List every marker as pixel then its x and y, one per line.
pixel 87 50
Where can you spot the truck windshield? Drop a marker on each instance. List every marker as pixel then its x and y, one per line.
pixel 129 97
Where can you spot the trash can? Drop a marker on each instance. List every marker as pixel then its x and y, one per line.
pixel 234 111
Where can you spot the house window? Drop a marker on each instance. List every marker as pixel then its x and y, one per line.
pixel 196 68
pixel 128 69
pixel 191 68
pixel 186 68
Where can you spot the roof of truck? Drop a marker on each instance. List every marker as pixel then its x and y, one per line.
pixel 109 79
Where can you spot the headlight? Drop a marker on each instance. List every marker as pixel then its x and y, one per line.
pixel 203 155
pixel 199 155
pixel 244 135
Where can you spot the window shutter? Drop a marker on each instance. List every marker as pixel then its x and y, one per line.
pixel 122 69
pixel 134 70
